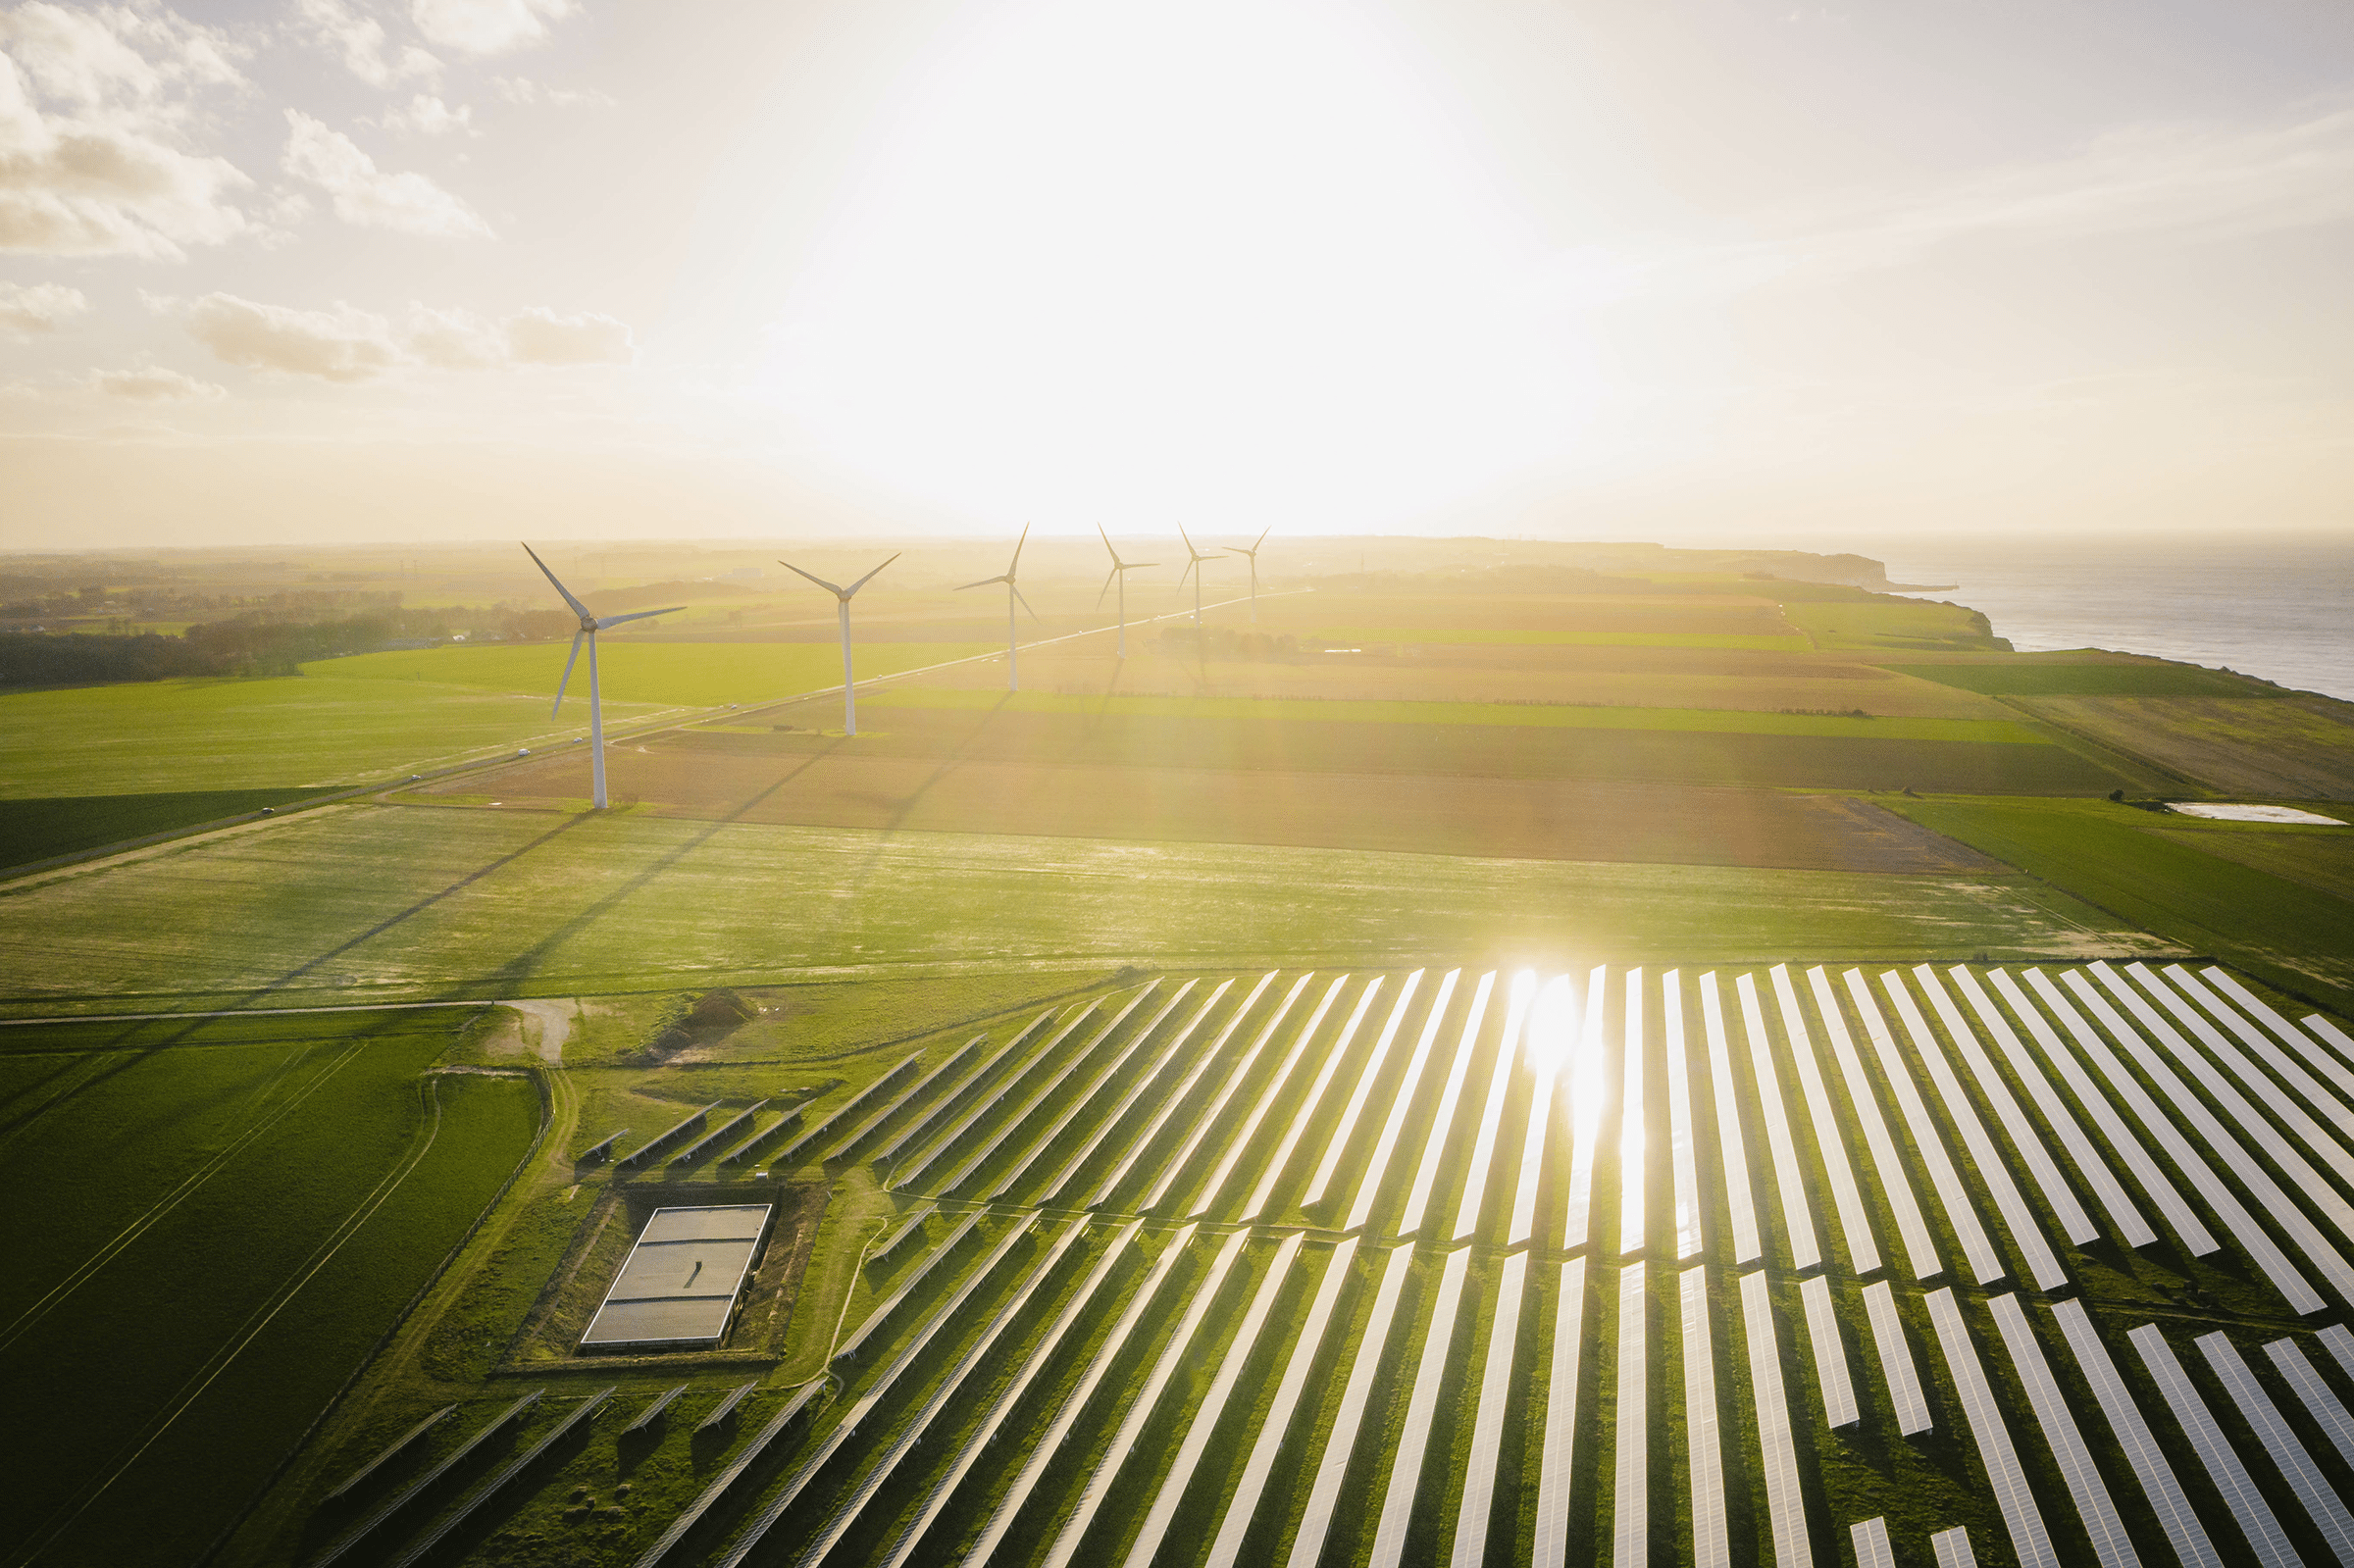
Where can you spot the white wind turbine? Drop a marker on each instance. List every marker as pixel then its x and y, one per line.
pixel 1119 572
pixel 1013 673
pixel 591 626
pixel 1193 567
pixel 1253 554
pixel 850 699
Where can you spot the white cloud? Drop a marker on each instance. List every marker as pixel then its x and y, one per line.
pixel 342 345
pixel 523 90
pixel 155 383
pixel 359 38
pixel 540 336
pixel 487 26
pixel 369 197
pixel 428 116
pixel 37 308
pixel 94 148
pixel 354 345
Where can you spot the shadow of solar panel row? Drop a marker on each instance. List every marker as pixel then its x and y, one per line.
pixel 425 1483
pixel 725 1482
pixel 808 1144
pixel 910 1226
pixel 392 1450
pixel 601 1150
pixel 960 1095
pixel 653 1410
pixel 505 1477
pixel 764 1140
pixel 908 1096
pixel 716 1137
pixel 912 1170
pixel 656 1146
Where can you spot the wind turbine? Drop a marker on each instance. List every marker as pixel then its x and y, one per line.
pixel 1119 571
pixel 1192 568
pixel 591 626
pixel 849 698
pixel 1013 673
pixel 1253 554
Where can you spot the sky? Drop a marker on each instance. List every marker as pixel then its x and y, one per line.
pixel 1697 271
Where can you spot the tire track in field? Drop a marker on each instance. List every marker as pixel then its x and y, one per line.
pixel 246 1332
pixel 189 1185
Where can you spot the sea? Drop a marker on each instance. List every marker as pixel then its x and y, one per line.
pixel 2279 607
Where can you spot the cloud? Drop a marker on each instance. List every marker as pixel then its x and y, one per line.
pixel 360 39
pixel 342 346
pixel 523 90
pixel 38 308
pixel 487 26
pixel 540 336
pixel 428 116
pixel 353 345
pixel 95 159
pixel 368 197
pixel 155 383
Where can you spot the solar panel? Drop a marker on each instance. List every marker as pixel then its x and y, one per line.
pixel 1830 1356
pixel 2075 1223
pixel 2257 1040
pixel 1177 1096
pixel 1952 1548
pixel 881 1314
pixel 653 1410
pixel 2285 1031
pixel 1789 1177
pixel 2248 1507
pixel 1414 1439
pixel 2327 1031
pixel 1684 1152
pixel 2317 1497
pixel 1035 1357
pixel 1500 1083
pixel 1208 1117
pixel 1928 1148
pixel 1487 1425
pixel 1545 1064
pixel 2267 1192
pixel 2151 1467
pixel 586 1411
pixel 1994 1169
pixel 1315 1522
pixel 2341 1345
pixel 1173 1357
pixel 423 1483
pixel 1385 1147
pixel 655 1145
pixel 1740 1209
pixel 1897 1371
pixel 906 1097
pixel 1631 1508
pixel 1854 1220
pixel 1204 1422
pixel 910 1226
pixel 1634 1143
pixel 1235 1525
pixel 1107 1122
pixel 725 1481
pixel 1777 1447
pixel 1987 1429
pixel 1239 1143
pixel 2131 1228
pixel 820 1136
pixel 990 1104
pixel 394 1450
pixel 919 1129
pixel 1711 1539
pixel 1586 1082
pixel 2329 1412
pixel 717 1135
pixel 2194 1234
pixel 1558 1455
pixel 1869 1539
pixel 2098 1510
pixel 1077 1101
pixel 1287 1144
pixel 720 1412
pixel 1921 1250
pixel 1441 1126
pixel 1338 1144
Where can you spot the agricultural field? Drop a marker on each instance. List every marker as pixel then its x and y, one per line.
pixel 1359 1265
pixel 213 1222
pixel 2282 747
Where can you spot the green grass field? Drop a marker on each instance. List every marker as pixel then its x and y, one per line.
pixel 1472 635
pixel 2089 679
pixel 214 1222
pixel 35 829
pixel 1887 623
pixel 681 675
pixel 365 902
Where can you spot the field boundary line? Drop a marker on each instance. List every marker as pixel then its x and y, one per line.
pixel 659 724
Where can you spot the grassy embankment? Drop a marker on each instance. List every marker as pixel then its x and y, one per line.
pixel 274 1192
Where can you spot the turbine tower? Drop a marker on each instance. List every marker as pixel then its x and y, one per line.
pixel 1119 572
pixel 1253 554
pixel 850 692
pixel 591 626
pixel 1014 672
pixel 1192 568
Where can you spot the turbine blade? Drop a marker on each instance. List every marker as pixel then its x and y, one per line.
pixel 1017 563
pixel 983 584
pixel 612 621
pixel 1106 588
pixel 1262 539
pixel 1187 573
pixel 1136 565
pixel 567 681
pixel 578 608
pixel 1115 555
pixel 864 580
pixel 1189 541
pixel 820 582
pixel 1018 593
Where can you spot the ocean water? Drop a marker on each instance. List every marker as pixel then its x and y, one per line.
pixel 2282 608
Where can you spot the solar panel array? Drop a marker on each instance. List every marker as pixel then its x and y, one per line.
pixel 1296 1268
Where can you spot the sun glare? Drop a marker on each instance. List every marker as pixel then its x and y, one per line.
pixel 1214 258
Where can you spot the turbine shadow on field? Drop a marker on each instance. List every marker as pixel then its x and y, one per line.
pixel 948 764
pixel 525 964
pixel 132 1056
